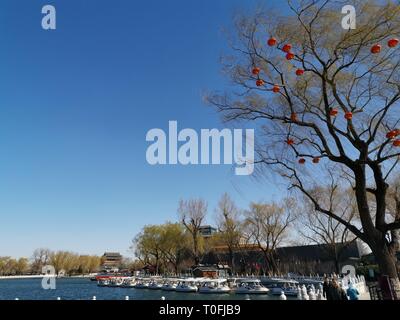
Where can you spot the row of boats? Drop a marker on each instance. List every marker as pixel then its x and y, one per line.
pixel 206 285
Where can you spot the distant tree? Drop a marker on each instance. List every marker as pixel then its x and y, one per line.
pixel 22 266
pixel 229 227
pixel 136 265
pixel 192 214
pixel 40 258
pixel 317 228
pixel 174 244
pixel 65 261
pixel 94 264
pixel 266 225
pixel 7 266
pixel 147 246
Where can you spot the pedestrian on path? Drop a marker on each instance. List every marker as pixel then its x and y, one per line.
pixel 352 292
pixel 337 292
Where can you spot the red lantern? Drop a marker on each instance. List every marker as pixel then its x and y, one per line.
pixel 299 72
pixel 333 112
pixel 316 160
pixel 290 142
pixel 393 42
pixel 391 134
pixel 290 56
pixel 287 47
pixel 376 49
pixel 259 83
pixel 396 143
pixel 255 71
pixel 293 117
pixel 276 88
pixel 272 42
pixel 348 115
pixel 396 132
pixel 302 161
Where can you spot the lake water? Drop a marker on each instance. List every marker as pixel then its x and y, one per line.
pixel 84 289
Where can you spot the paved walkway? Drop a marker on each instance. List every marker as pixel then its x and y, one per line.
pixel 365 296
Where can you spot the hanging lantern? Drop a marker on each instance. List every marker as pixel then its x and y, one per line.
pixel 293 117
pixel 348 115
pixel 290 142
pixel 376 49
pixel 272 42
pixel 302 161
pixel 316 160
pixel 276 88
pixel 391 134
pixel 299 72
pixel 290 56
pixel 287 47
pixel 259 83
pixel 256 71
pixel 393 42
pixel 396 143
pixel 333 112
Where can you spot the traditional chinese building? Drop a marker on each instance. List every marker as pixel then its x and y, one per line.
pixel 111 260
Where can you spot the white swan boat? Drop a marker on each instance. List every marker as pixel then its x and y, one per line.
pixel 170 285
pixel 128 283
pixel 250 286
pixel 103 282
pixel 116 282
pixel 142 284
pixel 187 285
pixel 276 286
pixel 155 285
pixel 215 286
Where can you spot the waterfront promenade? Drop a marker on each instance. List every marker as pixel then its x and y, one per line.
pixel 36 276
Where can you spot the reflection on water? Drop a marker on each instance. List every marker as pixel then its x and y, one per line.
pixel 84 289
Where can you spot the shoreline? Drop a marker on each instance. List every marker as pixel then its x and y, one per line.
pixel 40 276
pixel 22 277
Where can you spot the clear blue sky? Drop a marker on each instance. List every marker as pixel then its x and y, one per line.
pixel 75 107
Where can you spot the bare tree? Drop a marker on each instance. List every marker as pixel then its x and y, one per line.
pixel 40 258
pixel 229 227
pixel 266 225
pixel 331 98
pixel 192 214
pixel 318 228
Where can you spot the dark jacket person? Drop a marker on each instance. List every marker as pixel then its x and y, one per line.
pixel 325 289
pixel 337 293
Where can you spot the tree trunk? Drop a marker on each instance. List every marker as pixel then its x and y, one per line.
pixel 273 263
pixel 231 260
pixel 336 257
pixel 195 250
pixel 372 235
pixel 270 262
pixel 386 260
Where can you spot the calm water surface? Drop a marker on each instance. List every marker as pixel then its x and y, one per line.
pixel 84 289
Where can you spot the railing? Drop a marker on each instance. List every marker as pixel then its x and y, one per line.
pixel 375 292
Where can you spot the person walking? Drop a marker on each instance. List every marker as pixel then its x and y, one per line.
pixel 326 288
pixel 352 292
pixel 337 292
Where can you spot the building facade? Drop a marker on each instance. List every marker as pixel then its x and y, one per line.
pixel 111 261
pixel 316 259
